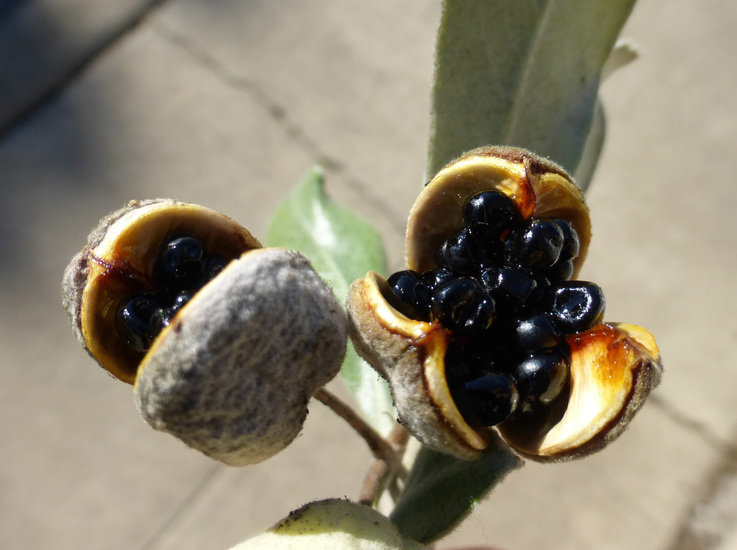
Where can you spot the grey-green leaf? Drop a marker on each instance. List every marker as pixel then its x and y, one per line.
pixel 520 73
pixel 342 247
pixel 442 490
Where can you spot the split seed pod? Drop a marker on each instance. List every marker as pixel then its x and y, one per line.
pixel 613 367
pixel 232 373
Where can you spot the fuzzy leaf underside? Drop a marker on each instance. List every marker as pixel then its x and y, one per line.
pixel 442 490
pixel 524 74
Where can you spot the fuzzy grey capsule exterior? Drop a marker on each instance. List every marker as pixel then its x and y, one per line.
pixel 232 375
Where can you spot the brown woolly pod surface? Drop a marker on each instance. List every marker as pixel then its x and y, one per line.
pixel 540 188
pixel 118 262
pixel 232 374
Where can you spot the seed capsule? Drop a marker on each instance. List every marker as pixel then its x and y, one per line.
pixel 577 390
pixel 223 341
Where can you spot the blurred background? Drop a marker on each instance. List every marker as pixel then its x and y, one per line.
pixel 228 103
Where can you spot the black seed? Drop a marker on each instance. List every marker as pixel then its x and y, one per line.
pixel 542 288
pixel 159 321
pixel 467 359
pixel 571 242
pixel 181 299
pixel 471 248
pixel 535 333
pixel 180 265
pixel 437 277
pixel 576 306
pixel 214 264
pixel 461 364
pixel 492 208
pixel 535 246
pixel 413 294
pixel 133 318
pixel 541 378
pixel 510 287
pixel 560 271
pixel 488 399
pixel 464 306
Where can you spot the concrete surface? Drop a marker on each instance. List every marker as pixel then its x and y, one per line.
pixel 227 104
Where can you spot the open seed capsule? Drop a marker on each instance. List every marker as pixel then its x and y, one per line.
pixel 224 341
pixel 611 367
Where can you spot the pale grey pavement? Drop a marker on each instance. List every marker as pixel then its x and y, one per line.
pixel 228 104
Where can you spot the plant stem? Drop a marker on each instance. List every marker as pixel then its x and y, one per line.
pixel 388 451
pixel 380 447
pixel 382 472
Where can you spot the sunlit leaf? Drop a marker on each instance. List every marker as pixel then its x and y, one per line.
pixel 520 73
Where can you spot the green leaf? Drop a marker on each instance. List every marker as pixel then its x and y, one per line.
pixel 342 247
pixel 520 73
pixel 442 490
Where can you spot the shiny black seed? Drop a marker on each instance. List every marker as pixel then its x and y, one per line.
pixel 576 306
pixel 488 399
pixel 214 264
pixel 133 318
pixel 159 321
pixel 510 287
pixel 181 299
pixel 535 333
pixel 542 289
pixel 461 364
pixel 413 294
pixel 463 305
pixel 492 208
pixel 541 378
pixel 180 264
pixel 163 316
pixel 435 278
pixel 560 271
pixel 466 359
pixel 535 246
pixel 471 248
pixel 571 242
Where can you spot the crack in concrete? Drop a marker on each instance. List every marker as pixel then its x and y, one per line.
pixel 697 428
pixel 178 512
pixel 281 117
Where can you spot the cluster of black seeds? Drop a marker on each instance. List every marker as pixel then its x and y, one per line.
pixel 502 288
pixel 182 267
